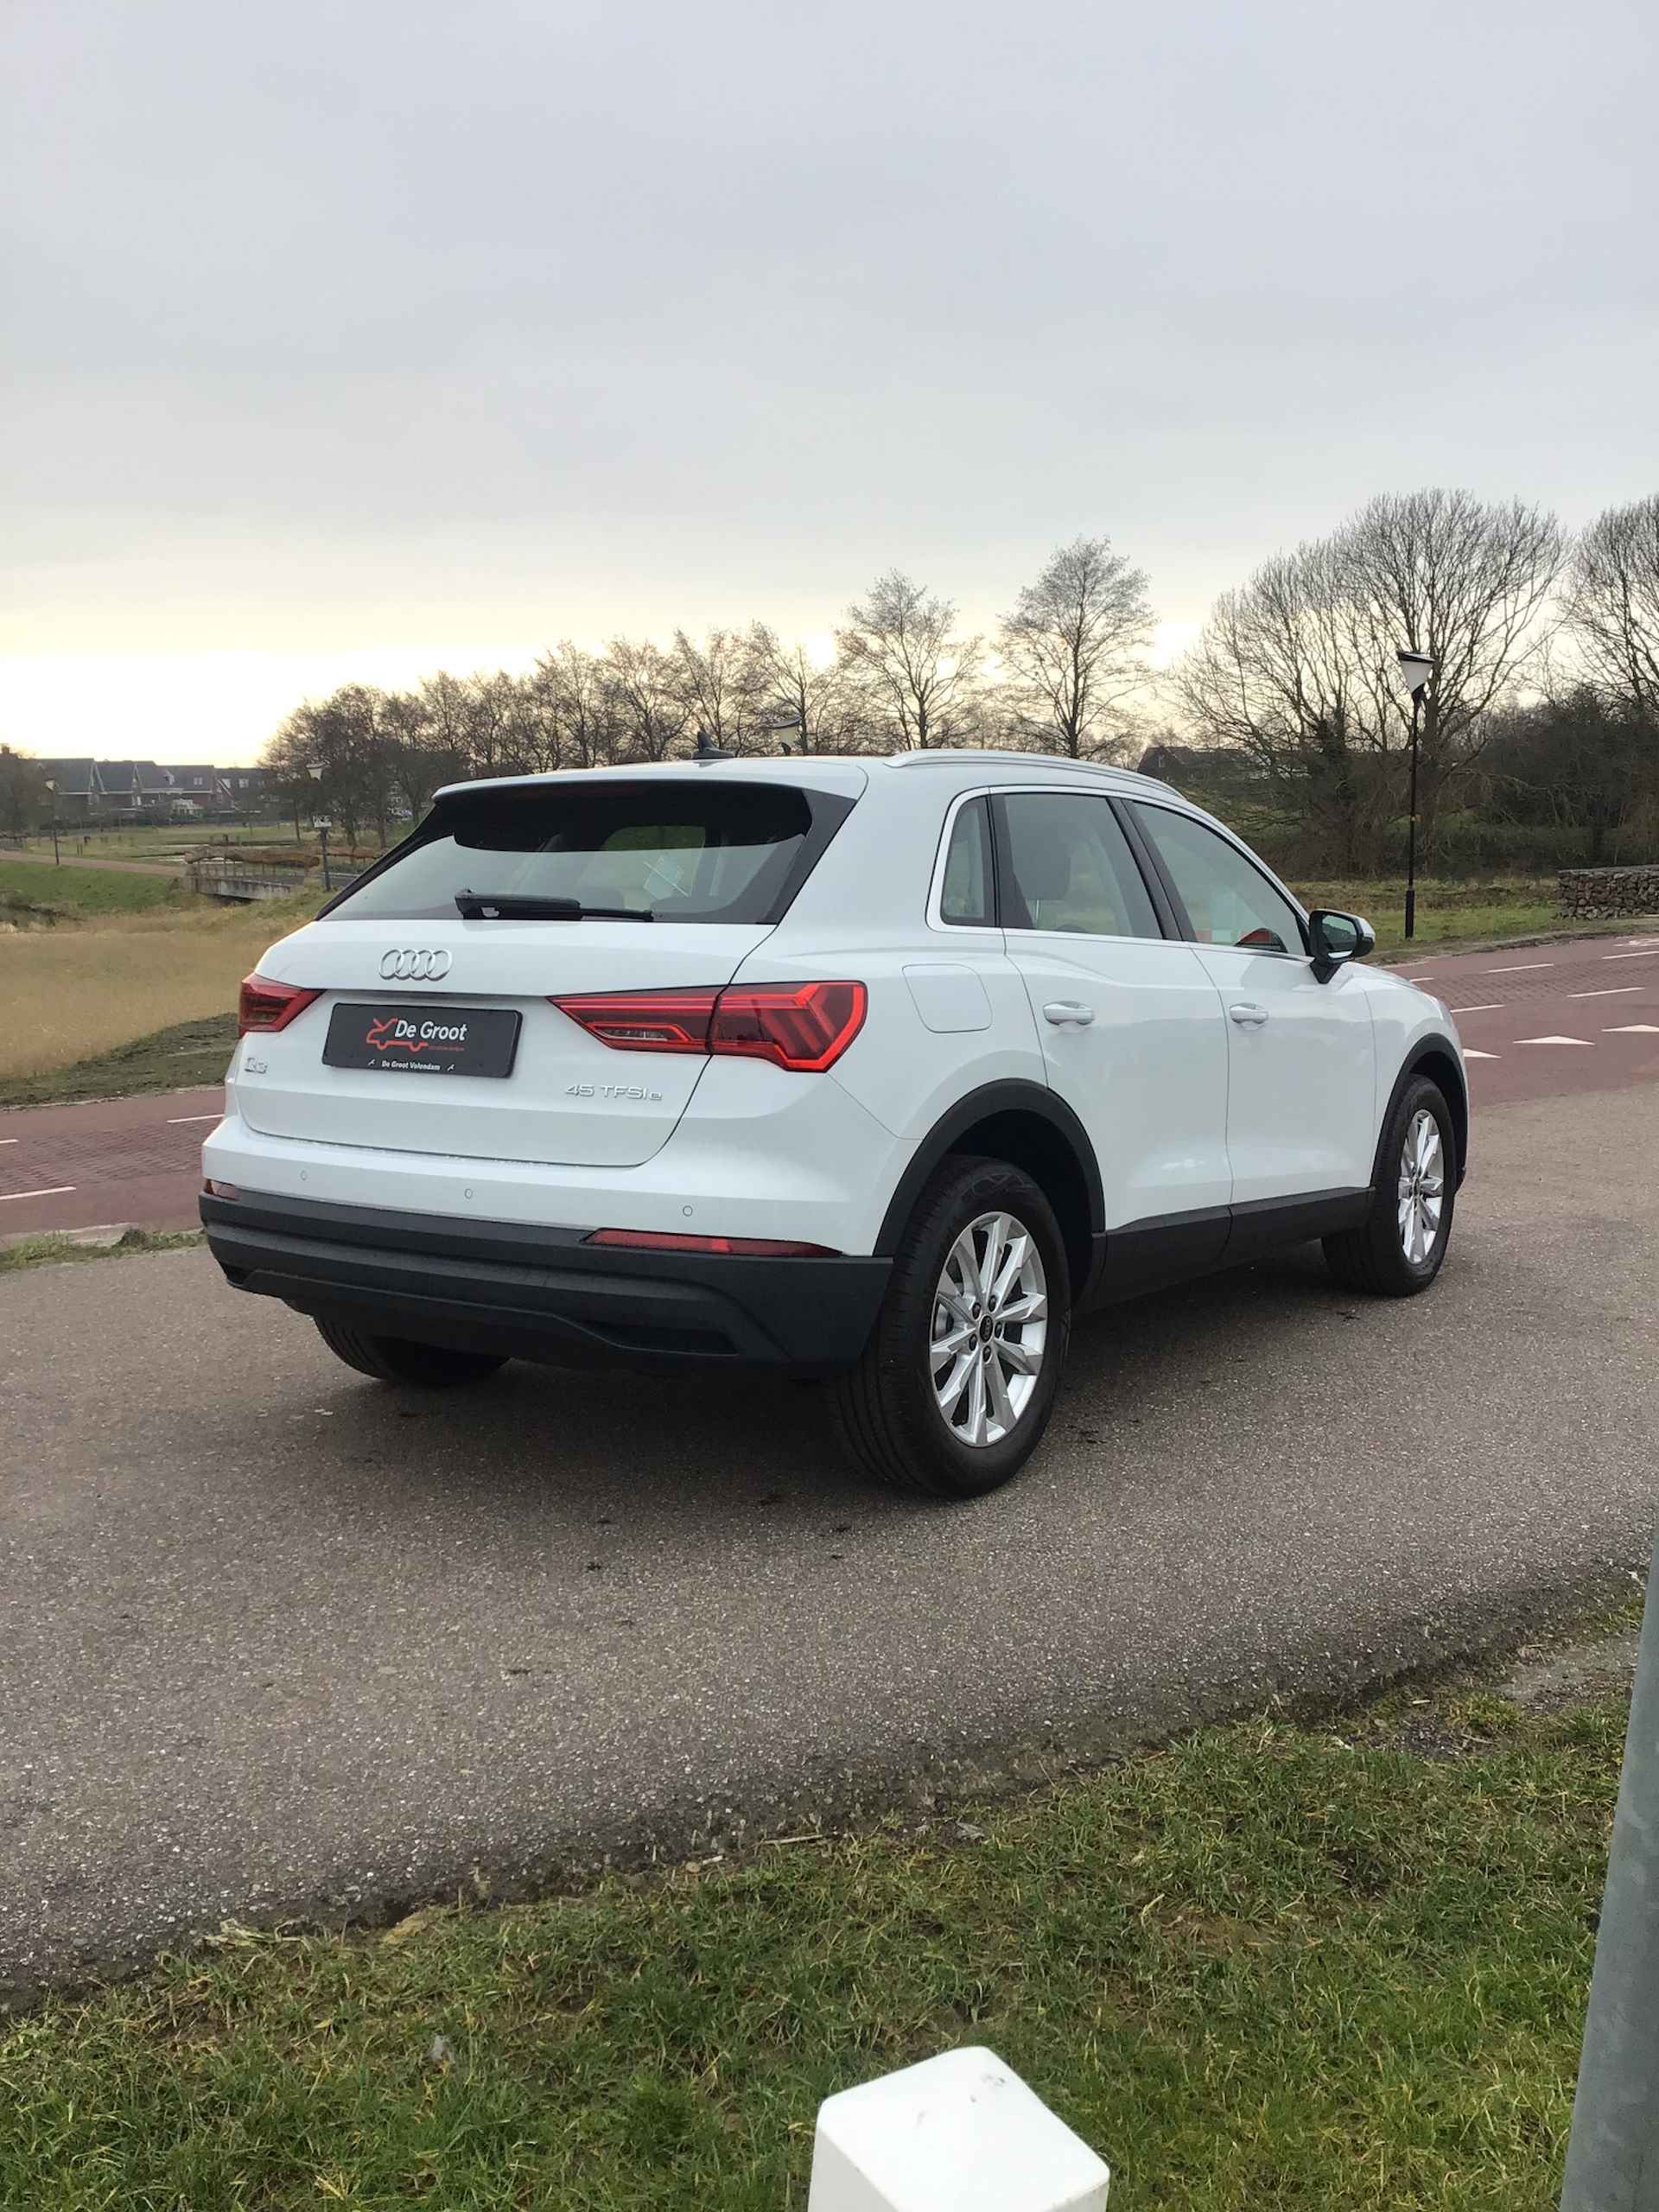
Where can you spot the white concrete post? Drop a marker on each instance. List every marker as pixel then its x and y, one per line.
pixel 960 2133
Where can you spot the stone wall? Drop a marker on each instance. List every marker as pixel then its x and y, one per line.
pixel 1610 894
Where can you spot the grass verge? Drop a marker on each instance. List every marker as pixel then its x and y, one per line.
pixel 182 1057
pixel 1274 1964
pixel 36 897
pixel 55 1247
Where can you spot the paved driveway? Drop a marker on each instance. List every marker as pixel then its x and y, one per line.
pixel 278 1638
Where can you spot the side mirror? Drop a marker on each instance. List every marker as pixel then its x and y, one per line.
pixel 1337 939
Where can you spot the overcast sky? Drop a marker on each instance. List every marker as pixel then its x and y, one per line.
pixel 362 339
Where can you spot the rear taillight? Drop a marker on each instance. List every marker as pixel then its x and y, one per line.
pixel 803 1026
pixel 806 1027
pixel 646 1021
pixel 265 1005
pixel 752 1248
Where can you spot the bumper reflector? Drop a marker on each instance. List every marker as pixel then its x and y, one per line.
pixel 748 1248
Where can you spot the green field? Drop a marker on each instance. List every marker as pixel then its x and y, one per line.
pixel 36 897
pixel 162 840
pixel 1448 913
pixel 171 844
pixel 1338 1966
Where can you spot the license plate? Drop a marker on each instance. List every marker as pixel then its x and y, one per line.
pixel 408 1040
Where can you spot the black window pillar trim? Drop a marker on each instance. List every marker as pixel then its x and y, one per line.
pixel 1173 916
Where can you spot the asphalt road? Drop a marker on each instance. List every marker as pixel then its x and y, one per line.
pixel 277 1639
pixel 1549 1021
pixel 1540 1021
pixel 133 1160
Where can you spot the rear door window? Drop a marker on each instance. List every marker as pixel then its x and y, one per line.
pixel 692 851
pixel 1068 867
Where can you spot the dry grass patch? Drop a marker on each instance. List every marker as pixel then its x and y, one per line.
pixel 68 995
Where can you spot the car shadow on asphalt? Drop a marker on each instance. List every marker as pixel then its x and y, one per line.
pixel 698 1450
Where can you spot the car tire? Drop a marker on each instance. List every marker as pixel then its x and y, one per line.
pixel 892 1406
pixel 400 1360
pixel 1397 1250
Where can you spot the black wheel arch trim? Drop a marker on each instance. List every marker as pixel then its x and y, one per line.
pixel 1012 1095
pixel 1430 1054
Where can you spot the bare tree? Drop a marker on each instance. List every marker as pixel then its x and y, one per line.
pixel 916 685
pixel 1299 667
pixel 1075 648
pixel 1274 673
pixel 573 684
pixel 1469 583
pixel 420 758
pixel 786 679
pixel 641 683
pixel 715 681
pixel 1613 604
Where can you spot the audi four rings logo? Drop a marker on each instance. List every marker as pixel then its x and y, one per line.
pixel 410 964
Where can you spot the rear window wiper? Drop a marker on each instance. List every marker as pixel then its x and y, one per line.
pixel 519 906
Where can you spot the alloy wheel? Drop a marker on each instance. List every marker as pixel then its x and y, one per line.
pixel 990 1324
pixel 1423 1187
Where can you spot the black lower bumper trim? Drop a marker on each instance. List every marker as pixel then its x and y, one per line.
pixel 542 1294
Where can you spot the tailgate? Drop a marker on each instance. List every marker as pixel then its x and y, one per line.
pixel 568 1100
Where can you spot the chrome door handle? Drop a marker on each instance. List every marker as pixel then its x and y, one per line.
pixel 1060 1011
pixel 1249 1015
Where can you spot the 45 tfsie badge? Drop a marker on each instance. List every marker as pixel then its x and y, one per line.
pixel 613 1090
pixel 407 1039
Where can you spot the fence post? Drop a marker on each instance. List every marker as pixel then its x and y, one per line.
pixel 1612 2158
pixel 960 2133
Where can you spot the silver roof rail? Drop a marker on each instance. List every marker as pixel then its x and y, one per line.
pixel 941 755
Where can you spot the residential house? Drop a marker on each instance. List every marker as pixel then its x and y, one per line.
pixel 151 790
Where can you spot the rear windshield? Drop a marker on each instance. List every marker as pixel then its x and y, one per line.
pixel 696 851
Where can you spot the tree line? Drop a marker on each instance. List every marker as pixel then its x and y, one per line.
pixel 1542 712
pixel 1540 720
pixel 1062 673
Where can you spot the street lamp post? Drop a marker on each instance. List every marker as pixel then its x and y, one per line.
pixel 57 858
pixel 1415 670
pixel 321 824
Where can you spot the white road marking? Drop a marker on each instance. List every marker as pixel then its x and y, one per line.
pixel 10 1140
pixel 1634 1029
pixel 1608 991
pixel 1648 954
pixel 57 1191
pixel 1521 968
pixel 1490 1005
pixel 173 1120
pixel 1469 1054
pixel 1553 1040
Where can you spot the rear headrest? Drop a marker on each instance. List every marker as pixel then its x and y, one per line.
pixel 1044 865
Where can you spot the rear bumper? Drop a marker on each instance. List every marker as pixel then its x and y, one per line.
pixel 542 1294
